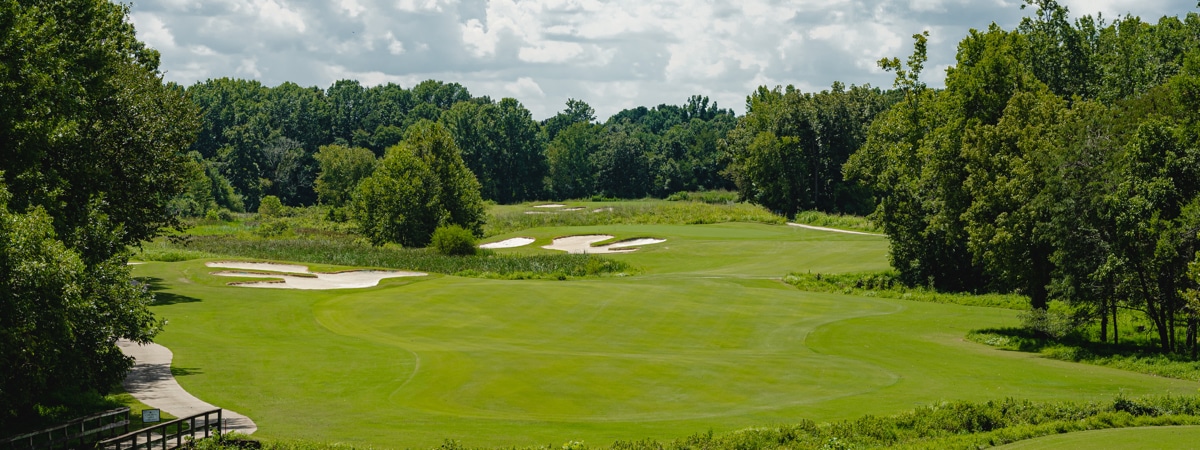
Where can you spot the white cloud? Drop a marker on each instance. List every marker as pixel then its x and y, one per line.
pixel 351 7
pixel 249 67
pixel 280 16
pixel 613 54
pixel 153 31
pixel 550 52
pixel 395 47
pixel 524 87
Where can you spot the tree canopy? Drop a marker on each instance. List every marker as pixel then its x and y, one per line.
pixel 94 151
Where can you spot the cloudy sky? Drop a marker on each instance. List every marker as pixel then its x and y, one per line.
pixel 611 54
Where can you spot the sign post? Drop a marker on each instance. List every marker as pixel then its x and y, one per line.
pixel 150 415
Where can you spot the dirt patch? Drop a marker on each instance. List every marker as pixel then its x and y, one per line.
pixel 509 243
pixel 289 276
pixel 583 244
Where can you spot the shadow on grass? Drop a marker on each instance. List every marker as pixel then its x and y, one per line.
pixel 185 371
pixel 1136 356
pixel 1026 340
pixel 161 297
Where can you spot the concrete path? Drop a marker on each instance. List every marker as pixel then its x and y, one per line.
pixel 151 382
pixel 835 230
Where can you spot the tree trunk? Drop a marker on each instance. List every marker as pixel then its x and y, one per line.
pixel 1116 335
pixel 1104 321
pixel 1191 335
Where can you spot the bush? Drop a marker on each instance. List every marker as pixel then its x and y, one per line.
pixel 453 240
pixel 270 206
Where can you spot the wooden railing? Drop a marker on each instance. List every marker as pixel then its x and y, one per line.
pixel 169 435
pixel 77 433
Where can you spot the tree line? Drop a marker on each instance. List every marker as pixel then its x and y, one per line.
pixel 1060 162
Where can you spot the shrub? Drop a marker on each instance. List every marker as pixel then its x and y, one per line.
pixel 270 206
pixel 453 240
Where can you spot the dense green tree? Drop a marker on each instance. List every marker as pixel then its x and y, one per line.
pixel 815 134
pixel 419 185
pixel 621 163
pixel 569 157
pixel 341 169
pixel 94 150
pixel 576 111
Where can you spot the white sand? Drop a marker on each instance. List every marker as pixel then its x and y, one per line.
pixel 340 280
pixel 834 230
pixel 509 243
pixel 602 209
pixel 538 212
pixel 578 208
pixel 272 267
pixel 583 244
pixel 636 243
pixel 549 205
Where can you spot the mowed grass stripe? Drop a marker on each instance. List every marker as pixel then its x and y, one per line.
pixel 599 331
pixel 692 343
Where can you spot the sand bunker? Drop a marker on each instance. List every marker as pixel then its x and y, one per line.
pixel 583 244
pixel 509 243
pixel 549 205
pixel 577 208
pixel 602 209
pixel 288 278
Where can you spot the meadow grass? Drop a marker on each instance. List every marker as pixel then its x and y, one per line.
pixel 838 221
pixel 343 251
pixel 886 284
pixel 719 197
pixel 510 218
pixel 703 337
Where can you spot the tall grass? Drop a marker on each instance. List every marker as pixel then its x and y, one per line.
pixel 635 213
pixel 944 425
pixel 348 252
pixel 839 221
pixel 717 197
pixel 888 285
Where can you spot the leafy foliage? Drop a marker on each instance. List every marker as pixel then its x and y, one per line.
pixel 419 185
pixel 453 240
pixel 94 150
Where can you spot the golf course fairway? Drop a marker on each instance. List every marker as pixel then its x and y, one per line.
pixel 702 336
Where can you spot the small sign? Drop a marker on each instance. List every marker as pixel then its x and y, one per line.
pixel 150 415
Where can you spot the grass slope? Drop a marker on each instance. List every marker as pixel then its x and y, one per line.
pixel 702 339
pixel 1124 438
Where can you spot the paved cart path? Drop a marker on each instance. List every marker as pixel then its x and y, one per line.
pixel 151 382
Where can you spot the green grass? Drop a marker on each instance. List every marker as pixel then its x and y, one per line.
pixel 887 284
pixel 342 251
pixel 1148 438
pixel 1138 353
pixel 704 336
pixel 510 218
pixel 839 221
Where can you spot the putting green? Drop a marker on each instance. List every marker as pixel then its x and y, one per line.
pixel 702 339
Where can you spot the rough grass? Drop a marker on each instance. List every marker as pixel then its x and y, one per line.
pixel 346 252
pixel 839 221
pixel 719 197
pixel 887 285
pixel 1136 355
pixel 943 425
pixel 515 218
